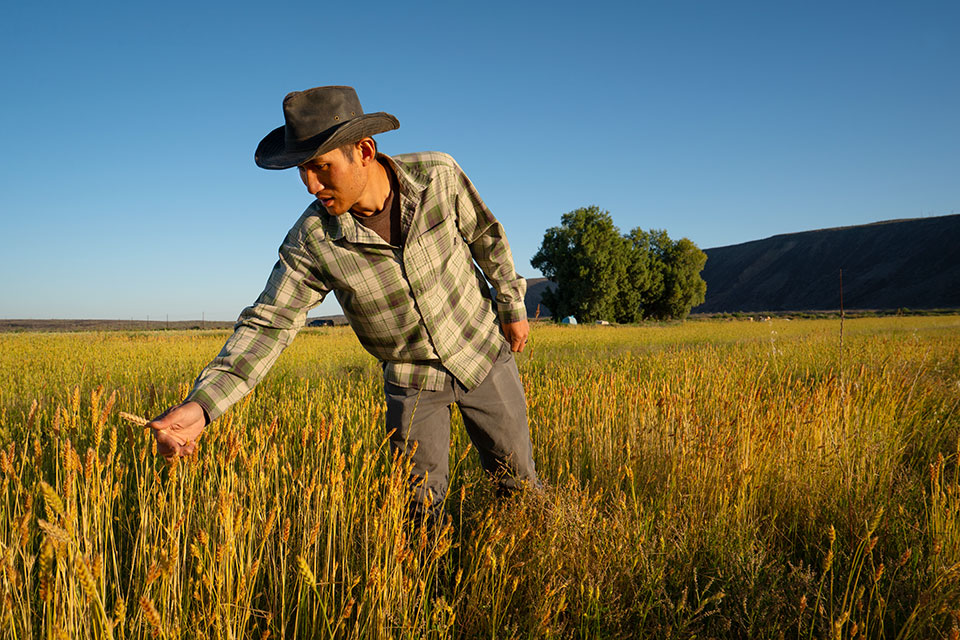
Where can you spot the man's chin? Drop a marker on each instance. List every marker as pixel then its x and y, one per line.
pixel 332 209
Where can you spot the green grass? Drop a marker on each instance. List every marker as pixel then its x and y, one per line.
pixel 716 478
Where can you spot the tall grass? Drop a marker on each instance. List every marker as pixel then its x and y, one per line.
pixel 709 479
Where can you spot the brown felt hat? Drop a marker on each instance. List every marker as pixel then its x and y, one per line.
pixel 318 120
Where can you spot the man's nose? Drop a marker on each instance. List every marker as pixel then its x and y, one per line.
pixel 313 183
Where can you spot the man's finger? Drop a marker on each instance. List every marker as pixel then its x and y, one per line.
pixel 167 445
pixel 172 434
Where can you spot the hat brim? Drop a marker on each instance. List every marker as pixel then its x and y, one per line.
pixel 272 152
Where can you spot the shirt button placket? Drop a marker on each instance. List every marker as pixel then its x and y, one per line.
pixel 416 288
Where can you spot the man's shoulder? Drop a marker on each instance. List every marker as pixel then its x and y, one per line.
pixel 314 224
pixel 428 169
pixel 426 164
pixel 426 158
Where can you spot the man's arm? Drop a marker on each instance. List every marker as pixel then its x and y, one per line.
pixel 488 244
pixel 262 332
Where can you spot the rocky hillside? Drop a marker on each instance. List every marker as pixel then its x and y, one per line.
pixel 886 265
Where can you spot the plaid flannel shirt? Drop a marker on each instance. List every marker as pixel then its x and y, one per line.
pixel 423 310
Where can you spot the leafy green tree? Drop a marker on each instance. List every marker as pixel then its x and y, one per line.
pixel 643 278
pixel 681 287
pixel 587 259
pixel 603 275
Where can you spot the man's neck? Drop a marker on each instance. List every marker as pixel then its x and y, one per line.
pixel 376 192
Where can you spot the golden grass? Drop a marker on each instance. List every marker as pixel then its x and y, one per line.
pixel 709 479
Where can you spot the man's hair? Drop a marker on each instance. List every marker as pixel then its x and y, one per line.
pixel 347 149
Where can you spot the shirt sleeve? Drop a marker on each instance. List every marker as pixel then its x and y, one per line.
pixel 263 329
pixel 488 244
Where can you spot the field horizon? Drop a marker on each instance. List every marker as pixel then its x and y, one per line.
pixel 73 325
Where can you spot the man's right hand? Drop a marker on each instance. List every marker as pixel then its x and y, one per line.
pixel 178 428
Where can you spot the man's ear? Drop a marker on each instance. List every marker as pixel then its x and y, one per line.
pixel 368 151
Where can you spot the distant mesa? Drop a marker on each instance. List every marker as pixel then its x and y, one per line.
pixel 897 264
pixel 535 289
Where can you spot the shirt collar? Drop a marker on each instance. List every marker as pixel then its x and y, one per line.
pixel 411 180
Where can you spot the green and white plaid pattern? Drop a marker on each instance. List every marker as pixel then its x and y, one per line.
pixel 422 310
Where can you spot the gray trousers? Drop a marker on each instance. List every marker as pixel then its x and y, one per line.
pixel 495 415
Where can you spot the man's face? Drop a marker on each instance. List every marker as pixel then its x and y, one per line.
pixel 336 180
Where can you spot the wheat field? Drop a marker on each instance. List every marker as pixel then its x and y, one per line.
pixel 710 479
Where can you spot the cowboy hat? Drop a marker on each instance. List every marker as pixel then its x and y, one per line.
pixel 318 120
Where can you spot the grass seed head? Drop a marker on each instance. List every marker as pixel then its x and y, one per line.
pixel 119 612
pixel 150 613
pixel 86 577
pixel 54 532
pixel 52 500
pixel 303 567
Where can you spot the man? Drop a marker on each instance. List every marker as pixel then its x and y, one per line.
pixel 396 239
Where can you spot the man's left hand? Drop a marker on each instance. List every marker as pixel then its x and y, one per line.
pixel 516 333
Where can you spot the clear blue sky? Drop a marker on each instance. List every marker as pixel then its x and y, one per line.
pixel 128 187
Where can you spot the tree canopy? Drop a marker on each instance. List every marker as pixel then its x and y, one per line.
pixel 601 274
